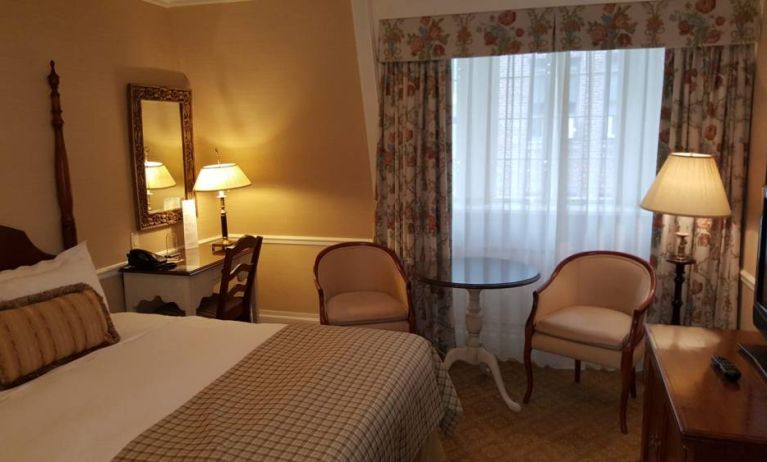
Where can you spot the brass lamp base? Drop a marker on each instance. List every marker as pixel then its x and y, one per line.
pixel 681 250
pixel 221 245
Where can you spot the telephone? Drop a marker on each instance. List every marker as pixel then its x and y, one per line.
pixel 145 260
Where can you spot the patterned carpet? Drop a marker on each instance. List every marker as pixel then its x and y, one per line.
pixel 564 421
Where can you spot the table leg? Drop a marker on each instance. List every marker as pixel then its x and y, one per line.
pixel 473 353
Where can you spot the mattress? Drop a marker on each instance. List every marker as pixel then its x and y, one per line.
pixel 170 389
pixel 91 408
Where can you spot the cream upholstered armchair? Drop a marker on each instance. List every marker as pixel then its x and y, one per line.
pixel 592 309
pixel 363 285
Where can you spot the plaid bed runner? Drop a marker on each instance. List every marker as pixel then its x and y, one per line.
pixel 313 393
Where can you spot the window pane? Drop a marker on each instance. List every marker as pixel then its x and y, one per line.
pixel 557 136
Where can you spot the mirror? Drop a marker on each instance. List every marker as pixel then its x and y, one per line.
pixel 162 152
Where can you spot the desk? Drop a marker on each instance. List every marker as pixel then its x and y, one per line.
pixel 476 274
pixel 186 284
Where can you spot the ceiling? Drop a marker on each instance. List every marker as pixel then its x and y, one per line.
pixel 179 3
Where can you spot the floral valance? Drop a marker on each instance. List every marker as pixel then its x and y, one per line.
pixel 665 23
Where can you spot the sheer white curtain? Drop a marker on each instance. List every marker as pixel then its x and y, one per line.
pixel 551 156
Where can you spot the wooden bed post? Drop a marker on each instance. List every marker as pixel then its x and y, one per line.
pixel 61 165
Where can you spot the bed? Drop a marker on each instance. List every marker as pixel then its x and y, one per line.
pixel 194 388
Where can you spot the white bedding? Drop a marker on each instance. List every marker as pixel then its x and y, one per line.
pixel 91 408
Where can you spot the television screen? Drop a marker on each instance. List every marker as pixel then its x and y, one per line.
pixel 760 291
pixel 758 353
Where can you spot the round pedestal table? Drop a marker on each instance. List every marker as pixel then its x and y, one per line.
pixel 476 274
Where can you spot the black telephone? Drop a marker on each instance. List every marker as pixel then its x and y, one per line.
pixel 145 260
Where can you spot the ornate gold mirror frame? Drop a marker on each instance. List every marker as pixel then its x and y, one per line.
pixel 147 218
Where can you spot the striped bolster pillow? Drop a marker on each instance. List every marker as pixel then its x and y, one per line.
pixel 43 331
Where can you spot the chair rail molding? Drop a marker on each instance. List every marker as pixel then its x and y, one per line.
pixel 747 279
pixel 321 241
pixel 113 270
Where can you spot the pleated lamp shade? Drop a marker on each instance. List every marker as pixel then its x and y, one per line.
pixel 221 177
pixel 688 185
pixel 158 176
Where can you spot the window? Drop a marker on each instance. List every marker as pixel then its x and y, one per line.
pixel 565 134
pixel 552 154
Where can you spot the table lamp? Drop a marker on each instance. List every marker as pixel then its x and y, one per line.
pixel 221 177
pixel 157 177
pixel 687 185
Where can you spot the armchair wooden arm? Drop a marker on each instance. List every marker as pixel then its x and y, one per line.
pixel 636 334
pixel 551 295
pixel 321 294
pixel 550 298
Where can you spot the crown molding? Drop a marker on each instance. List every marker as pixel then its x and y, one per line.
pixel 181 3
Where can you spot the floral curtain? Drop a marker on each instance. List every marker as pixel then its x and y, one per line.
pixel 706 108
pixel 464 35
pixel 667 23
pixel 413 213
pixel 654 24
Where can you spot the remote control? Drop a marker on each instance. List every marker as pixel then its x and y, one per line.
pixel 726 368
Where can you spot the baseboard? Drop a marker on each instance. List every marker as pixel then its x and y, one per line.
pixel 287 317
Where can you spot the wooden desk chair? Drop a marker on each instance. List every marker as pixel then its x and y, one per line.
pixel 363 285
pixel 593 309
pixel 235 303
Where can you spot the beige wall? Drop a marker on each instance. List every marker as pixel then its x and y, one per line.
pixel 275 87
pixel 757 166
pixel 99 47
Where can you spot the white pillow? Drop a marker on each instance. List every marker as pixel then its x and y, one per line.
pixel 69 267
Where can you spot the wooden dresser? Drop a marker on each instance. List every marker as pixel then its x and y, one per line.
pixel 690 412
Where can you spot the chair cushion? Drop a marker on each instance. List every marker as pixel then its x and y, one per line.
pixel 364 307
pixel 590 353
pixel 590 325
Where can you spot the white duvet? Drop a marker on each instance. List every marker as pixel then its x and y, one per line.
pixel 91 408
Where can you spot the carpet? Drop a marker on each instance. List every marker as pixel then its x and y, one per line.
pixel 564 421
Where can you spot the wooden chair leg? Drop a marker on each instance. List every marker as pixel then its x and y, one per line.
pixel 528 370
pixel 245 315
pixel 633 389
pixel 577 371
pixel 626 380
